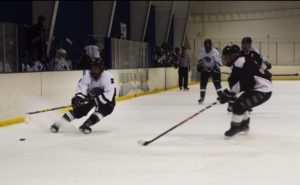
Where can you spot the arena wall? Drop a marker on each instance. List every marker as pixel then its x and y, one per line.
pixel 25 92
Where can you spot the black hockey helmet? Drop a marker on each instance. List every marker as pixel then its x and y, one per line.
pixel 247 40
pixel 231 49
pixel 97 67
pixel 207 41
pixel 229 54
pixel 97 62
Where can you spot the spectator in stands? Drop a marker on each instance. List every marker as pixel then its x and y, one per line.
pixel 166 57
pixel 176 55
pixel 26 64
pixel 35 63
pixel 37 38
pixel 6 68
pixel 60 62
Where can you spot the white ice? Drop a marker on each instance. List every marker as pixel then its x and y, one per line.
pixel 193 154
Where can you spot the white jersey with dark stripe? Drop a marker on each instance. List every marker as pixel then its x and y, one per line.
pixel 246 76
pixel 103 90
pixel 210 60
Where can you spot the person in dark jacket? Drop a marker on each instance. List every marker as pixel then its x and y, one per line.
pixel 184 63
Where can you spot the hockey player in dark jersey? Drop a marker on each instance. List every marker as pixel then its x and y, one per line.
pixel 252 54
pixel 245 78
pixel 95 89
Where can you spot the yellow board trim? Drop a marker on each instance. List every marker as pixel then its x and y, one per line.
pixel 12 121
pixel 123 98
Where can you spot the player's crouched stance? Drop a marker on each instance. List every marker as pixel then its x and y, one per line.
pixel 246 78
pixel 95 89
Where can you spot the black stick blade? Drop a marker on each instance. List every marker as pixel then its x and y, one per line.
pixel 143 143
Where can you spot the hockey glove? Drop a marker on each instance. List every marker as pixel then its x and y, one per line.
pixel 269 65
pixel 96 92
pixel 78 101
pixel 227 96
pixel 200 66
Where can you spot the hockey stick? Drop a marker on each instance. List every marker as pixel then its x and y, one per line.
pixel 47 110
pixel 145 143
pixel 294 74
pixel 28 117
pixel 56 108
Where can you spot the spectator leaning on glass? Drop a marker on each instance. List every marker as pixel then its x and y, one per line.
pixel 184 68
pixel 59 63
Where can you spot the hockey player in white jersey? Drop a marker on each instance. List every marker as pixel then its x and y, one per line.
pixel 209 65
pixel 245 78
pixel 95 89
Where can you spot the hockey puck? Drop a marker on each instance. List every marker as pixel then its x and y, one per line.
pixel 22 139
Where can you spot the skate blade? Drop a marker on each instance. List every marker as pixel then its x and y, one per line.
pixel 85 131
pixel 242 133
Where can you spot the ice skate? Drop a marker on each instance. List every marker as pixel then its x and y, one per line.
pixel 200 101
pixel 234 129
pixel 245 125
pixel 85 129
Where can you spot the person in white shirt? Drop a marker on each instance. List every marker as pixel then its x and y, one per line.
pixel 37 66
pixel 93 50
pixel 209 66
pixel 95 89
pixel 59 63
pixel 5 68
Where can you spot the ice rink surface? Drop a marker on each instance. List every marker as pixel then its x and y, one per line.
pixel 194 153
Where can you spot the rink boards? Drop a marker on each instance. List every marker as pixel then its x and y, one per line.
pixel 24 92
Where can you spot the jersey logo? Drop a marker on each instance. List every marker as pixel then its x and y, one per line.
pixel 112 80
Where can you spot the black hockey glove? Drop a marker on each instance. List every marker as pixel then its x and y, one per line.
pixel 227 96
pixel 269 65
pixel 200 66
pixel 94 95
pixel 78 101
pixel 96 92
